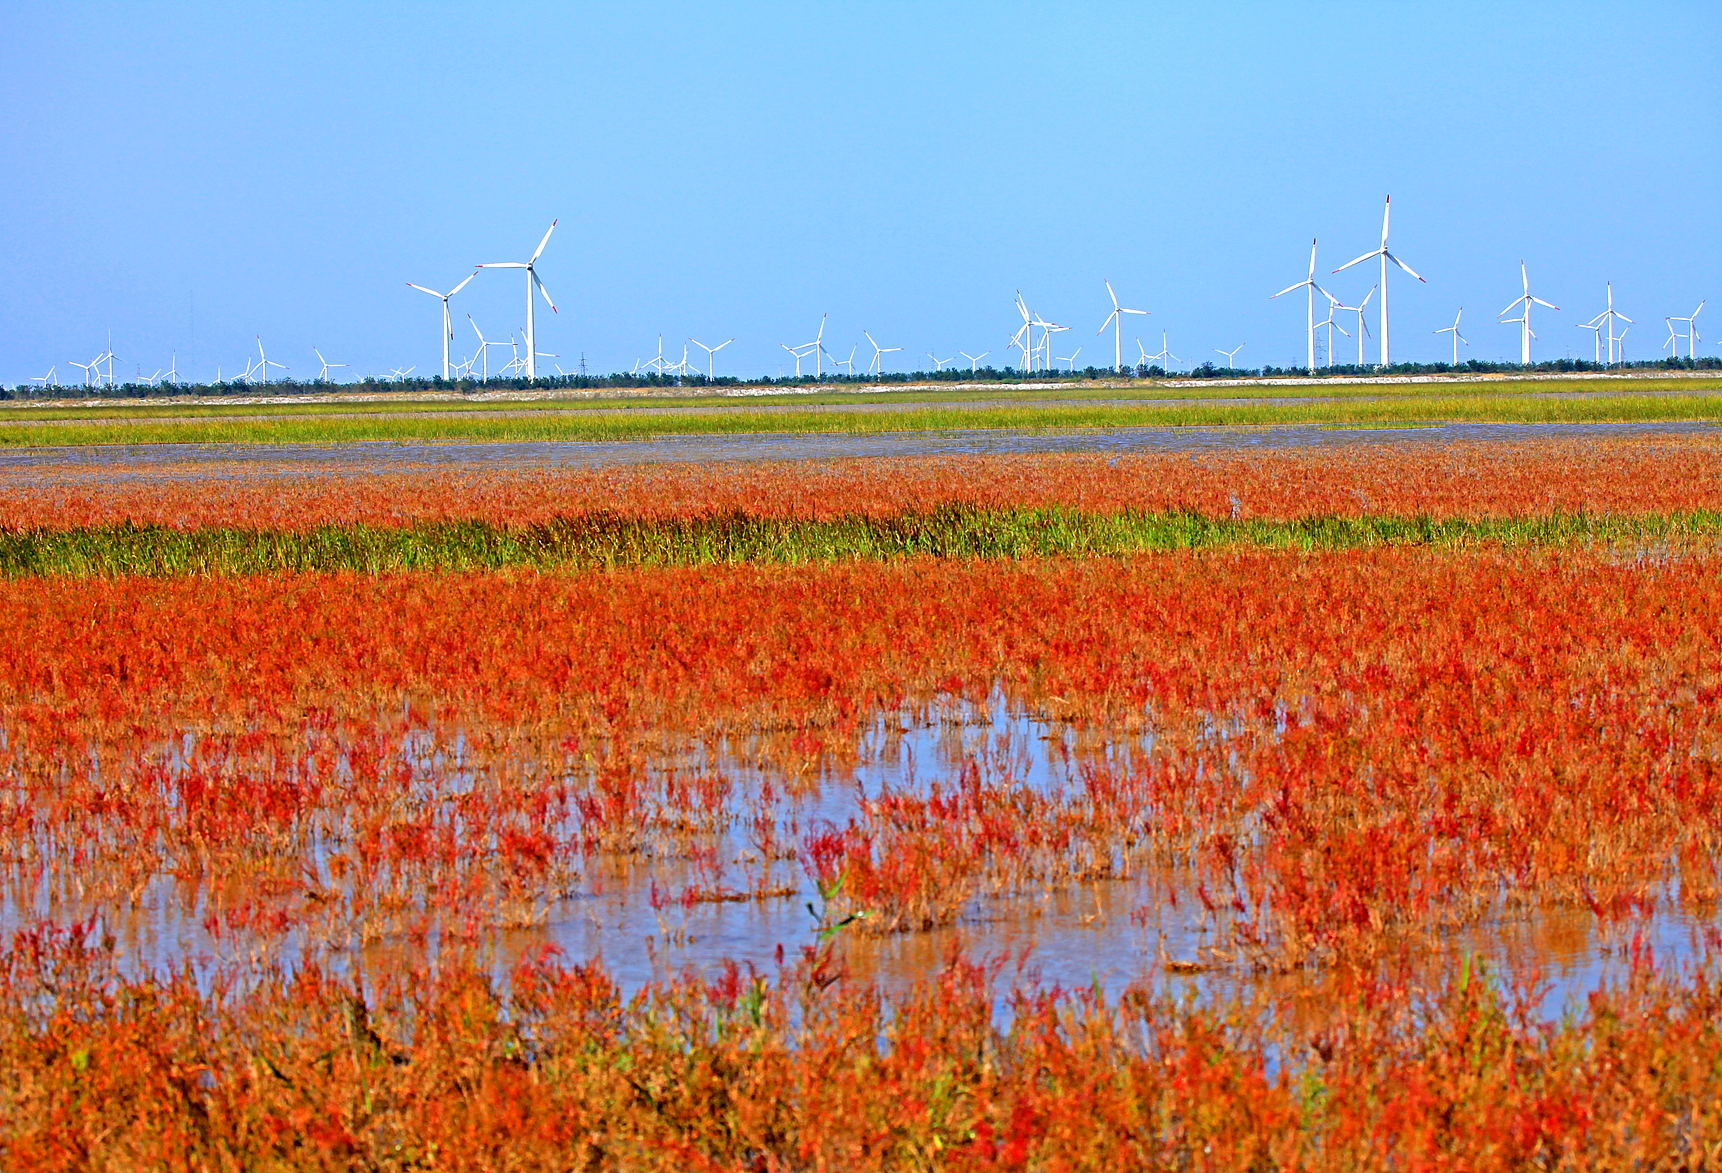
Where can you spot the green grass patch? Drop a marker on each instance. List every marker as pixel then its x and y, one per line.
pixel 634 418
pixel 619 426
pixel 601 540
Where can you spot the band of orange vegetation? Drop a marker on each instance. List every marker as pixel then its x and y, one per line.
pixel 1464 480
pixel 1351 753
pixel 421 1070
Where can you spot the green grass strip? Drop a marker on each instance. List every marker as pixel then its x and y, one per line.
pixel 598 541
pixel 621 425
pixel 1145 394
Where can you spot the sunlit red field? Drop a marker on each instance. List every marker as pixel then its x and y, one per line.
pixel 1460 480
pixel 1391 858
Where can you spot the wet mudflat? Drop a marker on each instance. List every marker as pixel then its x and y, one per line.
pixel 232 461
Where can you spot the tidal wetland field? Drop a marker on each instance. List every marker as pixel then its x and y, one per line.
pixel 1349 804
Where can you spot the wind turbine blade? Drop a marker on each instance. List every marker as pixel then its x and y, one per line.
pixel 1360 260
pixel 1402 265
pixel 540 250
pixel 422 289
pixel 1541 302
pixel 1511 307
pixel 502 265
pixel 1109 320
pixel 545 291
pixel 1288 289
pixel 1365 302
pixel 462 285
pixel 1113 296
pixel 1386 211
pixel 1312 258
pixel 1144 313
pixel 1624 318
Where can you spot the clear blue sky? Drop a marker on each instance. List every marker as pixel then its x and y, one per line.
pixel 191 175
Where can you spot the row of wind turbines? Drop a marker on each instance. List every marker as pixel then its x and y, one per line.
pixel 1602 326
pixel 1036 350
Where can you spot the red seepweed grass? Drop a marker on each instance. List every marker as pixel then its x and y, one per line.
pixel 1461 480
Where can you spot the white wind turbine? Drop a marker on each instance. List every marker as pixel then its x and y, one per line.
pixel 1310 289
pixel 1047 330
pixel 1232 355
pixel 1362 326
pixel 48 378
pixel 710 352
pixel 531 281
pixel 447 326
pixel 1673 343
pixel 89 368
pixel 264 363
pixel 939 363
pixel 1165 358
pixel 816 348
pixel 484 348
pixel 974 359
pixel 1332 304
pixel 1524 319
pixel 877 367
pixel 173 367
pixel 1072 361
pixel 848 364
pixel 1596 339
pixel 323 375
pixel 1691 330
pixel 1385 256
pixel 1457 337
pixel 1604 321
pixel 1024 337
pixel 1116 320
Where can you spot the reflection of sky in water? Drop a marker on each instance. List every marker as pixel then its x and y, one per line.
pixel 1110 932
pixel 118 462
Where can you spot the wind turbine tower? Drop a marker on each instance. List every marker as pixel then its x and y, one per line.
pixel 877 368
pixel 447 326
pixel 1310 289
pixel 1524 319
pixel 1116 320
pixel 711 351
pixel 1691 331
pixel 1457 337
pixel 1385 256
pixel 531 280
pixel 1362 326
pixel 1606 320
